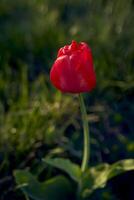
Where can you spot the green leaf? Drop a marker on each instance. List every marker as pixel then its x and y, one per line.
pixel 66 165
pixel 53 189
pixel 97 177
pixel 120 167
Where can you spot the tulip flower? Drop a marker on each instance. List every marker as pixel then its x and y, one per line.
pixel 73 70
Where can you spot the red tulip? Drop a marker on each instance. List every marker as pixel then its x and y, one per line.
pixel 73 70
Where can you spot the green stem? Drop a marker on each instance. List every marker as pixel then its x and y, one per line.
pixel 86 150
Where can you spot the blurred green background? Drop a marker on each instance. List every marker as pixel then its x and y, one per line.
pixel 36 119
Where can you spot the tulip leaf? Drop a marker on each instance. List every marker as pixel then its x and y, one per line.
pixel 97 177
pixel 55 188
pixel 66 165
